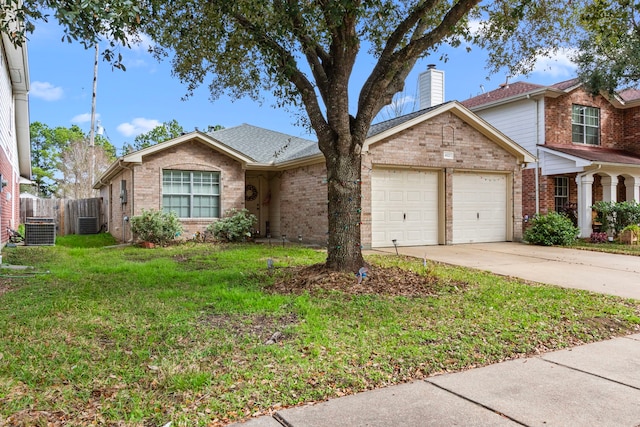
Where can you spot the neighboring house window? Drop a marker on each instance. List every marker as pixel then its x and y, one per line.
pixel 585 125
pixel 561 193
pixel 191 194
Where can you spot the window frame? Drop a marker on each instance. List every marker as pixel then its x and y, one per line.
pixel 582 131
pixel 207 178
pixel 556 196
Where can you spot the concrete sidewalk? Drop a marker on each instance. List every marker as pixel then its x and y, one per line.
pixel 592 385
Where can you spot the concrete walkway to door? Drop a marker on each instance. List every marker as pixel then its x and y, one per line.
pixel 571 268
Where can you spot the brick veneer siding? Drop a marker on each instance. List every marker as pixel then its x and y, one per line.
pixel 423 146
pixel 144 183
pixel 558 120
pixel 303 204
pixel 9 197
pixel 632 129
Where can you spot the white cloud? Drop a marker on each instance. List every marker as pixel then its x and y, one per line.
pixel 46 91
pixel 558 64
pixel 83 118
pixel 143 43
pixel 137 126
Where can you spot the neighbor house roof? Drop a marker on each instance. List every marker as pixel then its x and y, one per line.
pixel 596 155
pixel 522 90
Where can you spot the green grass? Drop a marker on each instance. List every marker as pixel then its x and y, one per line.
pixel 612 247
pixel 130 336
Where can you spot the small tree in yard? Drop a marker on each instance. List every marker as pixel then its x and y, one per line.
pixel 234 227
pixel 156 227
pixel 551 229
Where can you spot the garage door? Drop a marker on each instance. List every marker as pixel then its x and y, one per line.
pixel 404 206
pixel 479 208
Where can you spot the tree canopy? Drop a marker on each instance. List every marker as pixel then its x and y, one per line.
pixel 608 55
pixel 49 146
pixel 305 53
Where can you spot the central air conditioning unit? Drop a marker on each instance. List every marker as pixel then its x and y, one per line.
pixel 40 233
pixel 87 225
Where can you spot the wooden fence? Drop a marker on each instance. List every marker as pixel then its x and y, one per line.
pixel 65 212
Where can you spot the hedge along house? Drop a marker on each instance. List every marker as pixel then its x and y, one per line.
pixel 437 176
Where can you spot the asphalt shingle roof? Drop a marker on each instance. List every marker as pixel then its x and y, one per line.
pixel 380 127
pixel 598 154
pixel 264 145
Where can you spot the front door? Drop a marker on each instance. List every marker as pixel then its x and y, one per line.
pixel 253 195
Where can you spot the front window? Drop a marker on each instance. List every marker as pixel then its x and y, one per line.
pixel 561 193
pixel 191 194
pixel 585 125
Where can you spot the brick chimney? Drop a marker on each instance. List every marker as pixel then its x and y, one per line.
pixel 431 87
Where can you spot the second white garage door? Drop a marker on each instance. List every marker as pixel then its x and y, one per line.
pixel 479 207
pixel 404 206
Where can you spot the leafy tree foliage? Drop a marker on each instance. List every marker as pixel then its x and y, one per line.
pixel 48 146
pixel 83 21
pixel 164 132
pixel 609 52
pixel 305 53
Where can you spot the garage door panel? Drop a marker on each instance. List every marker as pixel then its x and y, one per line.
pixel 479 208
pixel 409 200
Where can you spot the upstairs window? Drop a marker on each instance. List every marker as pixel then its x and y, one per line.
pixel 585 125
pixel 191 194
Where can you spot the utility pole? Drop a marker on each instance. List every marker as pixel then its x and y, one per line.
pixel 92 132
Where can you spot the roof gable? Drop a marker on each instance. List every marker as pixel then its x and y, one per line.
pixel 384 130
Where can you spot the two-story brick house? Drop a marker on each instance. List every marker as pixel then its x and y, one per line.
pixel 15 141
pixel 588 147
pixel 440 175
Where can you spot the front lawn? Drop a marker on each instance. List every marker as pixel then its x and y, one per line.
pixel 138 337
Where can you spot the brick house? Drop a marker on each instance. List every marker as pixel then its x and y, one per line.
pixel 15 142
pixel 440 175
pixel 587 145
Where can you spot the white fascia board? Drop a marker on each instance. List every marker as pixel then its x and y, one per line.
pixel 136 157
pixel 579 161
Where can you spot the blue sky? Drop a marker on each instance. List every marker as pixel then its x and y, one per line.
pixel 146 94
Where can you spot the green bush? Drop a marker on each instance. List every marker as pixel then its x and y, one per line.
pixel 551 229
pixel 615 216
pixel 156 227
pixel 234 227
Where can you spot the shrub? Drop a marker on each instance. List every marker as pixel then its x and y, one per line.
pixel 551 229
pixel 234 227
pixel 156 227
pixel 615 216
pixel 599 237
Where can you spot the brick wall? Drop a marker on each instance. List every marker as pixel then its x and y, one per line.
pixel 303 204
pixel 632 129
pixel 558 120
pixel 423 146
pixel 144 183
pixel 9 197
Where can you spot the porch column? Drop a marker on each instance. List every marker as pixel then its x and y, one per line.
pixel 633 188
pixel 585 185
pixel 609 188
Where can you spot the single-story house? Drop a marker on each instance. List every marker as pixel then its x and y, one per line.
pixel 440 175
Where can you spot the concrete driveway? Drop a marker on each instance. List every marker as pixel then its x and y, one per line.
pixel 571 268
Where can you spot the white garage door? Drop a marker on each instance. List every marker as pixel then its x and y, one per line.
pixel 404 206
pixel 479 208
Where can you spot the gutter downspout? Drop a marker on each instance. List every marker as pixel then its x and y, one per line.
pixel 537 170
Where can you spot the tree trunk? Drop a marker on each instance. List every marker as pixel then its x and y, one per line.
pixel 345 212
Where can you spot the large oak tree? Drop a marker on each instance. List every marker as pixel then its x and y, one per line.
pixel 609 51
pixel 305 51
